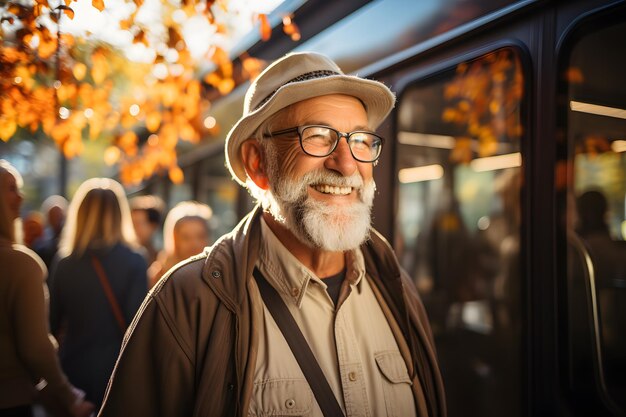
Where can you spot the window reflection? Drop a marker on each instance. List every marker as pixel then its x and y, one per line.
pixel 458 224
pixel 594 190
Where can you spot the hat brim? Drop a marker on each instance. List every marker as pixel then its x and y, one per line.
pixel 376 97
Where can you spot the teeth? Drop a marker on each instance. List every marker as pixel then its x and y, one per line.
pixel 331 189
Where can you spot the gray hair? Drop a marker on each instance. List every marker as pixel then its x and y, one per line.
pixel 270 157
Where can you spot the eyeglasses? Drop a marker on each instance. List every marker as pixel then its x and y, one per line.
pixel 320 141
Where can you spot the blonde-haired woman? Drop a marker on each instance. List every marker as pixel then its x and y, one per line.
pixel 97 285
pixel 186 232
pixel 26 352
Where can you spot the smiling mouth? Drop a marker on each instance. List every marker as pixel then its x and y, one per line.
pixel 332 189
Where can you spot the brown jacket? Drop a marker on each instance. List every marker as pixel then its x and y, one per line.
pixel 26 351
pixel 191 349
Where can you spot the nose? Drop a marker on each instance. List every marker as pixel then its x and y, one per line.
pixel 341 160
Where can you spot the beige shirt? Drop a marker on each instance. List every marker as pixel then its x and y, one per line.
pixel 353 344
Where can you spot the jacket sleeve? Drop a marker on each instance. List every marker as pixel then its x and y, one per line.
pixel 154 374
pixel 33 343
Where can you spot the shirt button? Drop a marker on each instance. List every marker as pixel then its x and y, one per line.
pixel 295 292
pixel 216 274
pixel 290 403
pixel 352 376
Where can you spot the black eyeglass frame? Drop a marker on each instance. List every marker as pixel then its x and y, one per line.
pixel 300 129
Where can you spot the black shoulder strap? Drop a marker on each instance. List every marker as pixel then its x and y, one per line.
pixel 300 348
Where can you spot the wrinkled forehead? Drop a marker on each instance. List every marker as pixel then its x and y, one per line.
pixel 310 109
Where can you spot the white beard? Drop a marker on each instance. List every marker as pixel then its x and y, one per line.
pixel 315 223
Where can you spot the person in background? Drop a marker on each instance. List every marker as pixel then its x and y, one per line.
pixel 27 354
pixel 146 212
pixel 97 284
pixel 54 208
pixel 33 228
pixel 206 342
pixel 186 233
pixel 608 258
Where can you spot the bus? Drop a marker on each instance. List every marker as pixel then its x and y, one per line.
pixel 501 185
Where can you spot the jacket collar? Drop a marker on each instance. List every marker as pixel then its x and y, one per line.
pixel 226 278
pixel 229 279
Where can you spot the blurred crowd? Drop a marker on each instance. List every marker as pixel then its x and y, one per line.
pixel 73 276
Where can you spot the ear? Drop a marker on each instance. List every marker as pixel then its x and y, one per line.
pixel 254 163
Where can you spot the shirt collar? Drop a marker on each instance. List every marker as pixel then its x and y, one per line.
pixel 289 276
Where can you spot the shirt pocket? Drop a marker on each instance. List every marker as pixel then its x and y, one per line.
pixel 396 384
pixel 281 397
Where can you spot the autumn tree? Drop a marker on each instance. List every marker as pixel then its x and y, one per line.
pixel 72 87
pixel 483 100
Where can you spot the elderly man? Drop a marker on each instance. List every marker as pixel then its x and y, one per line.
pixel 303 308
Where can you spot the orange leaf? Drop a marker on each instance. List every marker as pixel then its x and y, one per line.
pixel 265 29
pixel 140 37
pixel 574 75
pixel 47 44
pixel 96 125
pixel 15 9
pixel 128 121
pixel 100 67
pixel 193 89
pixel 221 28
pixel 175 39
pixel 128 143
pixel 72 148
pixel 67 40
pixel 176 175
pixel 126 24
pixel 67 10
pixel 187 132
pixel 252 66
pixel 69 13
pixel 212 79
pixel 153 121
pixel 98 4
pixel 168 136
pixel 226 86
pixel 38 9
pixel 7 128
pixel 111 155
pixel 79 70
pixel 291 29
pixel 66 92
pixel 462 151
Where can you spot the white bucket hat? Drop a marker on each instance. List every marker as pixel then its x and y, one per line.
pixel 297 77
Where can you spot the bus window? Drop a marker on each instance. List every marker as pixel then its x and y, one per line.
pixel 593 189
pixel 458 224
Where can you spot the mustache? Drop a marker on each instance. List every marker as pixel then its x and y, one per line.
pixel 332 178
pixel 295 190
